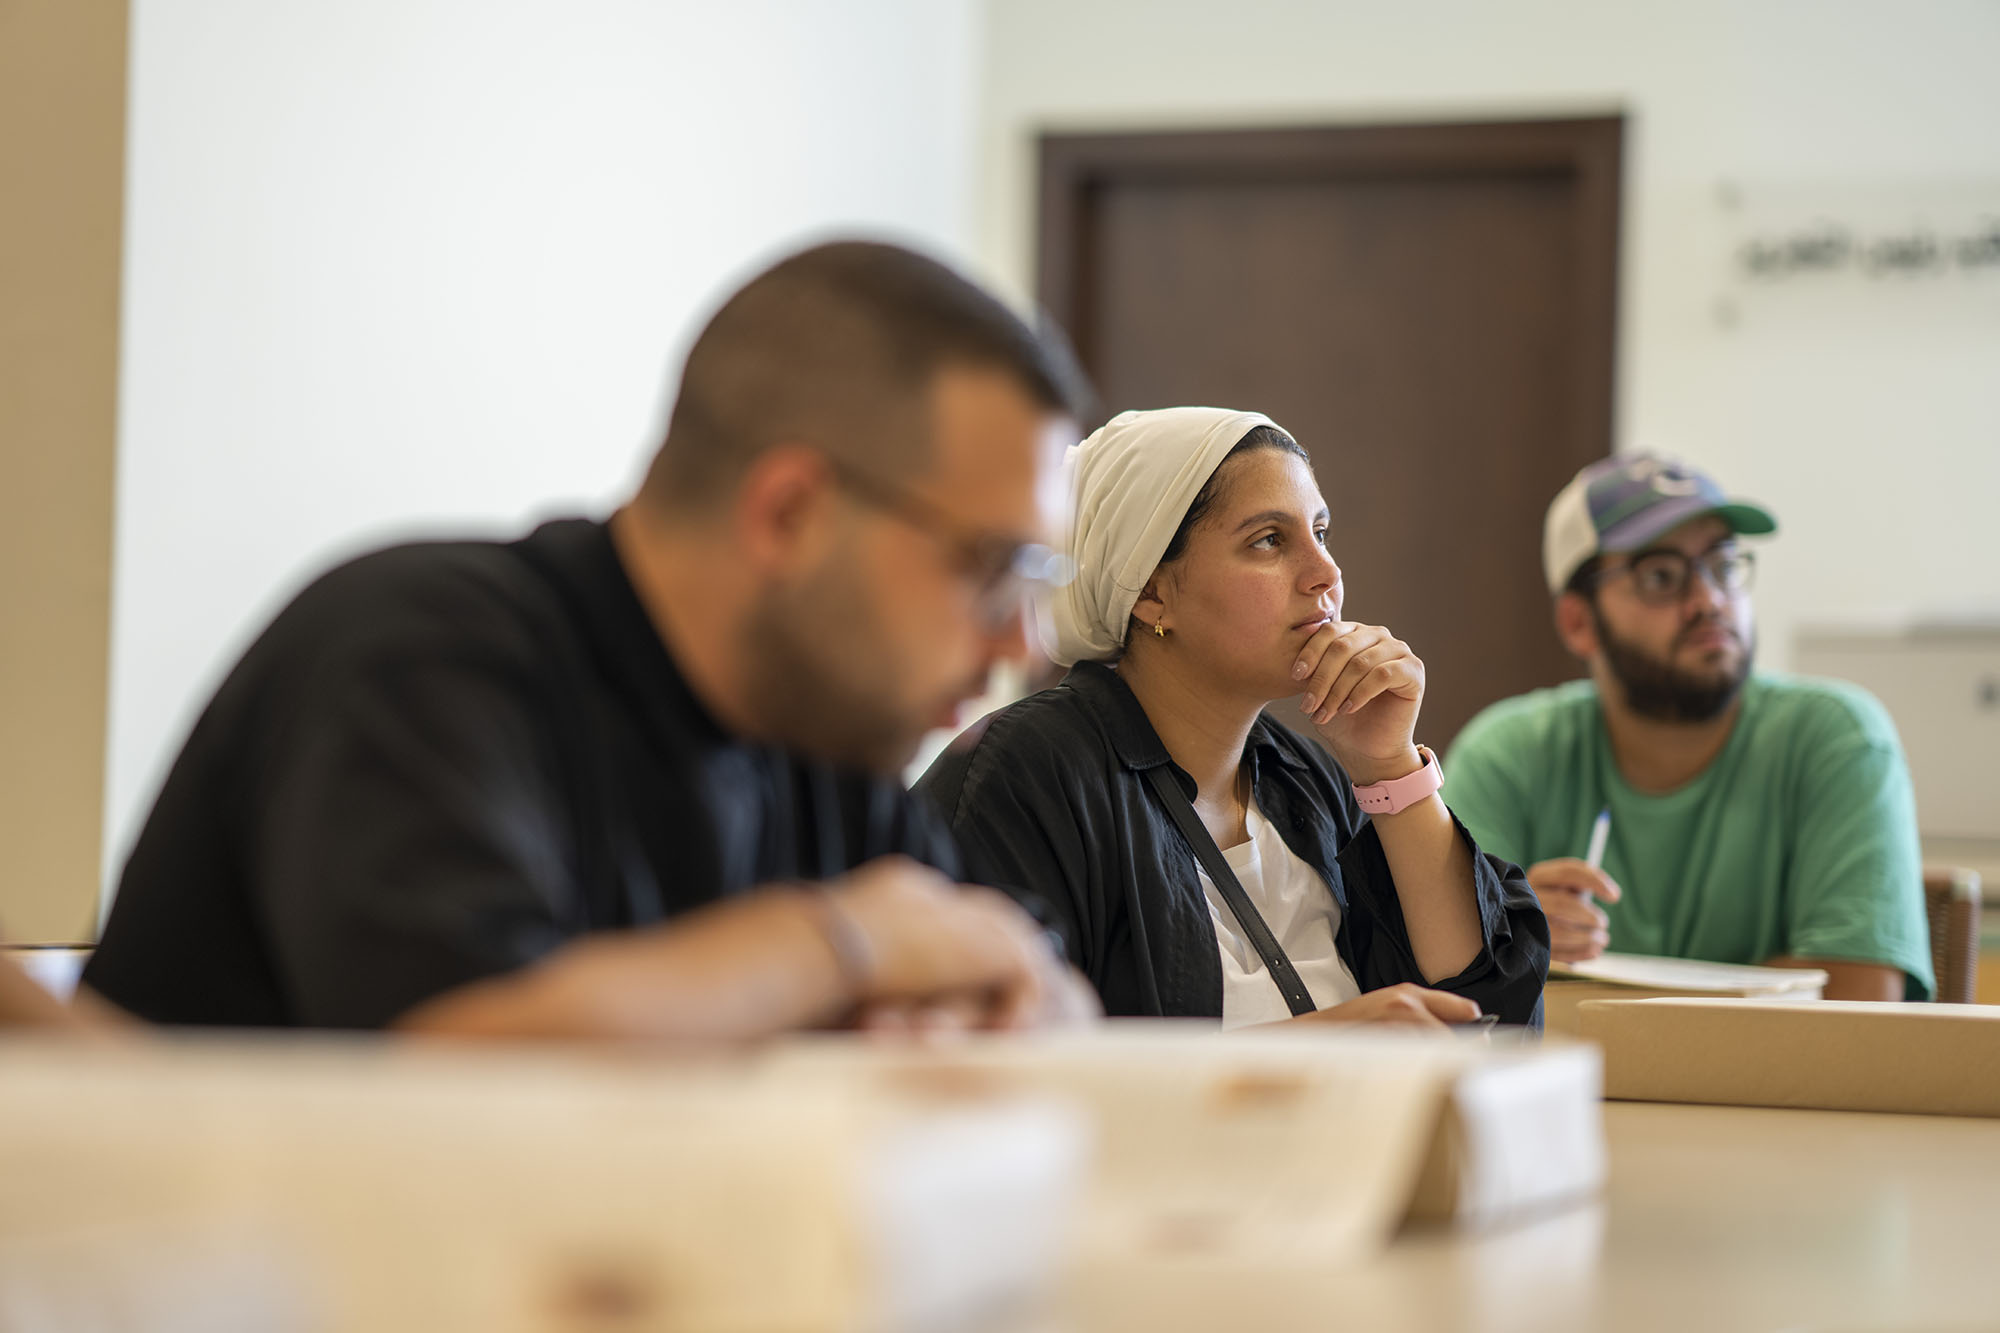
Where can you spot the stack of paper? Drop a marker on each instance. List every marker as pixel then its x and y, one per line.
pixel 1306 1145
pixel 1630 976
pixel 362 1187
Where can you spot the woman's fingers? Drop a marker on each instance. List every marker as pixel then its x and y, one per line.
pixel 1323 653
pixel 1352 673
pixel 1337 654
pixel 1316 647
pixel 1403 1004
pixel 1399 675
pixel 1446 1007
pixel 1384 666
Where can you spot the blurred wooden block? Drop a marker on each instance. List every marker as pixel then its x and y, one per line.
pixel 384 1188
pixel 1941 1059
pixel 1303 1145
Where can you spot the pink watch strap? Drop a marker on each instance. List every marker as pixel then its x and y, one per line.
pixel 1386 798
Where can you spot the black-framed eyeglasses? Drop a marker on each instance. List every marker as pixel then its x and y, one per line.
pixel 1003 569
pixel 1662 578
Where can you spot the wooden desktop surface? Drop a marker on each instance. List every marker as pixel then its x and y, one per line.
pixel 1715 1218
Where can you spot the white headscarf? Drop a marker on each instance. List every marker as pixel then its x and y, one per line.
pixel 1130 485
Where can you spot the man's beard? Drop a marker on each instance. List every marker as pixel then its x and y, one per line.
pixel 826 685
pixel 1655 688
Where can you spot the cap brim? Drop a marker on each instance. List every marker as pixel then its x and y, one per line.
pixel 1748 520
pixel 1744 519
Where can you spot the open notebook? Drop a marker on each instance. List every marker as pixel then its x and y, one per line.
pixel 1629 976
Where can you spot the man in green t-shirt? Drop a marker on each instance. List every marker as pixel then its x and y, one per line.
pixel 1753 817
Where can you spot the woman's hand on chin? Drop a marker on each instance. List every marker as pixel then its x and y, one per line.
pixel 1403 1004
pixel 1363 689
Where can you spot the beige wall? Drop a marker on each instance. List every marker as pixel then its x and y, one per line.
pixel 1865 414
pixel 62 137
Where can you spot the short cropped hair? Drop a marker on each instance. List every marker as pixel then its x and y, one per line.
pixel 837 347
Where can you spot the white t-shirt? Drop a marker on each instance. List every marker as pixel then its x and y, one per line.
pixel 1298 907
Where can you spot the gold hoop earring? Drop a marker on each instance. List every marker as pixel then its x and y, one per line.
pixel 1159 630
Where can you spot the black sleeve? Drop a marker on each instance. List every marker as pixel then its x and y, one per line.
pixel 410 832
pixel 1017 831
pixel 1507 976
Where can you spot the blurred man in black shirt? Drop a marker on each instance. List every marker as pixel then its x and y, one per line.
pixel 635 777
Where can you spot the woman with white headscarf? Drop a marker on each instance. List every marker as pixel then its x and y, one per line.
pixel 1200 858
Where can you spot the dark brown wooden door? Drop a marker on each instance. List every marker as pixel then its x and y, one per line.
pixel 1430 310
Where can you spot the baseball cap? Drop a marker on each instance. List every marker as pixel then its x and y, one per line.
pixel 1622 503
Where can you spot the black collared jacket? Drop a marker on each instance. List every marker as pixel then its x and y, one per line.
pixel 1050 801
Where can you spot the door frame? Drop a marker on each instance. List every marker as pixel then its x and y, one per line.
pixel 1076 168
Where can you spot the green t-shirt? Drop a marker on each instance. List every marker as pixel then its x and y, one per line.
pixel 1800 839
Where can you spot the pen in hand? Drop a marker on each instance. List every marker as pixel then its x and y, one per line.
pixel 1600 833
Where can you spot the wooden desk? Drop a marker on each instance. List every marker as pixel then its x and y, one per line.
pixel 1716 1218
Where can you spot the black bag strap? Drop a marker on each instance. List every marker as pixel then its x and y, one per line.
pixel 1297 997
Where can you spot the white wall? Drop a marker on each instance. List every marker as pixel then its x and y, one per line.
pixel 417 265
pixel 400 266
pixel 1872 424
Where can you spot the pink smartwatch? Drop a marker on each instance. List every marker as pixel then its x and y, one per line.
pixel 1386 798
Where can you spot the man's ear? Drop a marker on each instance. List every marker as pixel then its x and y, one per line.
pixel 784 509
pixel 1575 625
